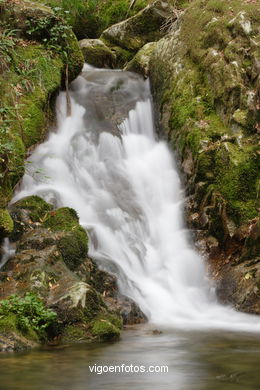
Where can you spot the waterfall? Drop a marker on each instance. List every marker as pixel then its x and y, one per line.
pixel 105 162
pixel 7 251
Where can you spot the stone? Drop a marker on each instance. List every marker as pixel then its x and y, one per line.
pixel 96 53
pixel 145 26
pixel 140 62
pixel 85 299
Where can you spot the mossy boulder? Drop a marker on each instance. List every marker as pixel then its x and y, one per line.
pixel 73 246
pixel 74 334
pixel 27 212
pixel 146 26
pixel 140 62
pixel 96 53
pixel 51 262
pixel 106 328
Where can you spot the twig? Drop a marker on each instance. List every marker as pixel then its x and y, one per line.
pixel 68 100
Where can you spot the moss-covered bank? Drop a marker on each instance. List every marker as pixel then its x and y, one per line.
pixel 66 302
pixel 36 48
pixel 207 96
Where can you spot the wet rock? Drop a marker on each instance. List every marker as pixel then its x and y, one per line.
pixel 140 62
pixel 129 311
pixel 111 104
pixel 106 284
pixel 96 53
pixel 239 286
pixel 13 342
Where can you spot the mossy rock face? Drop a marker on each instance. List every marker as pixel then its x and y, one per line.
pixel 6 223
pixel 140 62
pixel 96 53
pixel 50 261
pixel 85 299
pixel 12 338
pixel 38 52
pixel 36 206
pixel 74 245
pixel 135 32
pixel 106 329
pixel 26 212
pixel 74 334
pixel 122 56
pixel 206 91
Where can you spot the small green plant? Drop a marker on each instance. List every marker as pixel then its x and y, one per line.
pixel 8 41
pixel 30 312
pixel 46 29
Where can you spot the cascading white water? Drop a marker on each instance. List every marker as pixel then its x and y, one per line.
pixel 126 190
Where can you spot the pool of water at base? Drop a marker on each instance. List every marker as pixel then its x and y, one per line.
pixel 208 360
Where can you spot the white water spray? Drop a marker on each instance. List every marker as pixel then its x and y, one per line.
pixel 126 190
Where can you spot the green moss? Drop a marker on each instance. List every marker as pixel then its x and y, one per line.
pixel 8 324
pixel 94 304
pixel 105 330
pixel 206 79
pixel 115 320
pixel 235 175
pixel 6 223
pixel 140 62
pixel 74 56
pixel 73 246
pixel 63 218
pixel 74 334
pixel 37 207
pixel 123 56
pixel 97 54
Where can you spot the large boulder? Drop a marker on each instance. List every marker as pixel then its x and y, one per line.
pixel 96 53
pixel 51 263
pixel 51 246
pixel 146 26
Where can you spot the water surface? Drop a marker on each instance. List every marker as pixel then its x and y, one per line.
pixel 195 360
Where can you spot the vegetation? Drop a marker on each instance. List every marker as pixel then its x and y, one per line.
pixel 36 49
pixel 89 18
pixel 74 245
pixel 211 117
pixel 29 311
pixel 107 328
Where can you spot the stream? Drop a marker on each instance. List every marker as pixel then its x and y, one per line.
pixel 195 360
